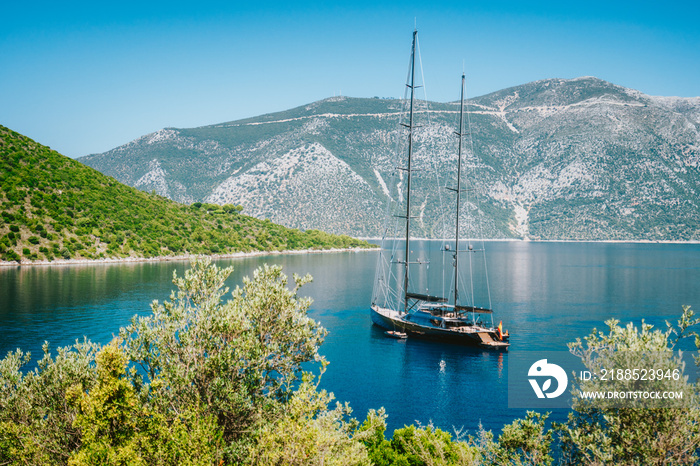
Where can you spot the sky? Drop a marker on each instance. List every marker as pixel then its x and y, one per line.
pixel 86 77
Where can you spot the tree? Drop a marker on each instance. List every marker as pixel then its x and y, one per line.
pixel 524 441
pixel 36 423
pixel 118 428
pixel 605 432
pixel 107 414
pixel 308 433
pixel 240 359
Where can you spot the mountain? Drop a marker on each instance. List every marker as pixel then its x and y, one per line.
pixel 552 159
pixel 55 207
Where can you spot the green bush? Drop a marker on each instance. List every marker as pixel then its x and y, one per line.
pixel 600 433
pixel 36 424
pixel 118 428
pixel 200 350
pixel 12 256
pixel 309 433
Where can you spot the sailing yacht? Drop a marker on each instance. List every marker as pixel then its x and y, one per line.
pixel 396 305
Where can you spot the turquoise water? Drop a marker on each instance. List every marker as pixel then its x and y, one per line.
pixel 547 294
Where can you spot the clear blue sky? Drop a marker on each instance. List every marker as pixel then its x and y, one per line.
pixel 87 77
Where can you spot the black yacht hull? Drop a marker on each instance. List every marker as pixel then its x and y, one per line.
pixel 391 321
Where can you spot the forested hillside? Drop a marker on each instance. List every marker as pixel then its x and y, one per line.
pixel 53 207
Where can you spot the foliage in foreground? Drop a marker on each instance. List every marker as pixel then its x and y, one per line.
pixel 194 382
pixel 604 433
pixel 53 207
pixel 202 381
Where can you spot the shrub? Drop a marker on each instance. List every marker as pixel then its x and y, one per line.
pixel 36 424
pixel 310 433
pixel 239 359
pixel 599 433
pixel 117 428
pixel 11 256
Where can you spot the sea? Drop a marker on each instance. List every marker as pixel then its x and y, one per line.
pixel 546 294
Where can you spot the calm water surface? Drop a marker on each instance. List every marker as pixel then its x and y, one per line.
pixel 547 294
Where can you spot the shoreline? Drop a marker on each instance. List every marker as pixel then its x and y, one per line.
pixel 125 260
pixel 528 240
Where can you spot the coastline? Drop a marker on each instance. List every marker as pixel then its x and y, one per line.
pixel 122 260
pixel 186 257
pixel 529 240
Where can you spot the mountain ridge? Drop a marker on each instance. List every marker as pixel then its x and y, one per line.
pixel 556 159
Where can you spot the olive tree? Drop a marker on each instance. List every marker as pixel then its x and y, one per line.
pixel 603 431
pixel 36 422
pixel 117 428
pixel 240 358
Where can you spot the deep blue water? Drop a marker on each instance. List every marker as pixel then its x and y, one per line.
pixel 547 294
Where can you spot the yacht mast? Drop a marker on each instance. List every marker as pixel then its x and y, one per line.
pixel 412 86
pixel 459 180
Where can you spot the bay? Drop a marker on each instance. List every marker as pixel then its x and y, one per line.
pixel 546 294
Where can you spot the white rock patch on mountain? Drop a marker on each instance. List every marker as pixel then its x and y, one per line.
pixel 302 188
pixel 154 180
